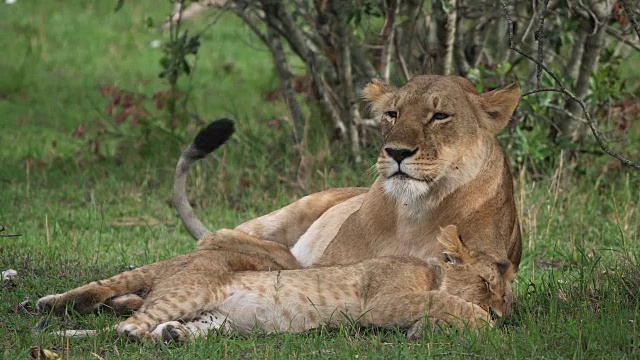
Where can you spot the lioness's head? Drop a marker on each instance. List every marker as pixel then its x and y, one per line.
pixel 474 275
pixel 437 130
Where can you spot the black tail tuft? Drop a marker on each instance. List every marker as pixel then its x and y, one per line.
pixel 213 136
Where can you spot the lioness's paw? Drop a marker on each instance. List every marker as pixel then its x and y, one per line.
pixel 46 304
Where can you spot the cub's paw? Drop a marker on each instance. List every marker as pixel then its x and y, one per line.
pixel 125 304
pixel 132 331
pixel 418 329
pixel 480 318
pixel 172 331
pixel 47 304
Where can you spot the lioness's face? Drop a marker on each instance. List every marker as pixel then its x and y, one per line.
pixel 435 127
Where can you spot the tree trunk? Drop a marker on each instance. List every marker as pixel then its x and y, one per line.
pixel 570 129
pixel 445 14
pixel 284 74
pixel 349 104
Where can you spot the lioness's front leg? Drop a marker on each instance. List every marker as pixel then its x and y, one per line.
pixel 287 224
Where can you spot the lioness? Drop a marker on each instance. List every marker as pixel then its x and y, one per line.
pixel 440 164
pixel 388 292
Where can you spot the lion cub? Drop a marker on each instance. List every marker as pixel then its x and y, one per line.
pixel 387 292
pixel 177 288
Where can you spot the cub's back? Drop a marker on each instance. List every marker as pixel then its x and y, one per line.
pixel 298 300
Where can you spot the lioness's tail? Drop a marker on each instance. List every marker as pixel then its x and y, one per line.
pixel 208 139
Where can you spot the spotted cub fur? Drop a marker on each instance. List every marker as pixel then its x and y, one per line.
pixel 176 288
pixel 387 292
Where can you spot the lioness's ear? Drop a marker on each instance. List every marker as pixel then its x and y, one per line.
pixel 505 268
pixel 374 90
pixel 499 105
pixel 454 250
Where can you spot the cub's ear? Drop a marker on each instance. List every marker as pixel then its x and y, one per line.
pixel 499 105
pixel 374 90
pixel 454 250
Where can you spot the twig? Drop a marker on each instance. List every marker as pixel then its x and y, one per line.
pixel 541 38
pixel 350 106
pixel 403 63
pixel 567 112
pixel 631 15
pixel 446 33
pixel 562 89
pixel 387 35
pixel 282 68
pixel 241 14
pixel 3 228
pixel 622 39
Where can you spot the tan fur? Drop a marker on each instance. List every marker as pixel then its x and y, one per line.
pixel 387 292
pixel 288 224
pixel 457 175
pixel 174 288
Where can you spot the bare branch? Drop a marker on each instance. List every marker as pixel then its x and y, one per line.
pixel 541 38
pixel 562 89
pixel 403 63
pixel 243 16
pixel 350 106
pixel 446 13
pixel 622 39
pixel 282 68
pixel 631 15
pixel 326 98
pixel 387 33
pixel 3 228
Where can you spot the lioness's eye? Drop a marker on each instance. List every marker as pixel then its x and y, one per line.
pixel 391 114
pixel 440 116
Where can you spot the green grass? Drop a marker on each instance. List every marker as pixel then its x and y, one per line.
pixel 577 289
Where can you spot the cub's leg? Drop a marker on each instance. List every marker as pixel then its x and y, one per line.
pixel 287 224
pixel 201 326
pixel 410 310
pixel 125 304
pixel 170 302
pixel 88 298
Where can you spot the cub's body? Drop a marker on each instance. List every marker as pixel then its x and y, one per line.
pixel 189 296
pixel 387 292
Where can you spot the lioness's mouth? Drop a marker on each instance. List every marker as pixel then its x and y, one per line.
pixel 402 176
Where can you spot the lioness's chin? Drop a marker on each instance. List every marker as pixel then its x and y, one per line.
pixel 405 189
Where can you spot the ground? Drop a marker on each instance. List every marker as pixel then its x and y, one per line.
pixel 84 217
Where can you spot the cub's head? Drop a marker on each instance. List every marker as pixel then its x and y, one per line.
pixel 474 275
pixel 437 129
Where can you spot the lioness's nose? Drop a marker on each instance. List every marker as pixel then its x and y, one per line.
pixel 400 154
